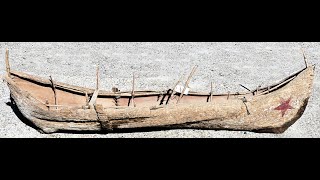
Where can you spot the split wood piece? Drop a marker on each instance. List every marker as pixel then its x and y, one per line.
pixel 7 63
pixel 94 98
pixel 187 83
pixel 54 91
pixel 211 91
pixel 305 58
pixel 173 90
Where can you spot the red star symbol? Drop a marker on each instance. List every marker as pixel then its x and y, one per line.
pixel 284 106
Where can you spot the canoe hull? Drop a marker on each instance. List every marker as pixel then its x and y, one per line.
pixel 273 112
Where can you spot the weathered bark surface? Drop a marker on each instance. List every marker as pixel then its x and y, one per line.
pixel 229 114
pixel 264 117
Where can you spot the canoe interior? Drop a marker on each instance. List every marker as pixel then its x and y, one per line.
pixel 44 93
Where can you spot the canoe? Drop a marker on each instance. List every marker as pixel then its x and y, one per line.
pixel 52 106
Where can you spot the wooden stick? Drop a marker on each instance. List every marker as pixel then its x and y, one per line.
pixel 305 58
pixel 228 95
pixel 54 91
pixel 187 83
pixel 211 91
pixel 7 63
pixel 97 75
pixel 245 87
pixel 132 93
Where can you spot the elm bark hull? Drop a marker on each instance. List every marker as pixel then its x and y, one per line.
pixel 230 114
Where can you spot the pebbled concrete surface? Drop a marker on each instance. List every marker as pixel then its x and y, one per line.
pixel 158 65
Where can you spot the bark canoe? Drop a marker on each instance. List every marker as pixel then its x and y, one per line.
pixel 58 107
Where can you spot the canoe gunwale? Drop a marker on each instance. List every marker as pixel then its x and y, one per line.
pixel 126 94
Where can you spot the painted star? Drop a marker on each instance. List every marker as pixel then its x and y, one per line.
pixel 284 106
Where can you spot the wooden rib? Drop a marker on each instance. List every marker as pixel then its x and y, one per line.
pixel 54 91
pixel 187 83
pixel 305 58
pixel 7 63
pixel 211 91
